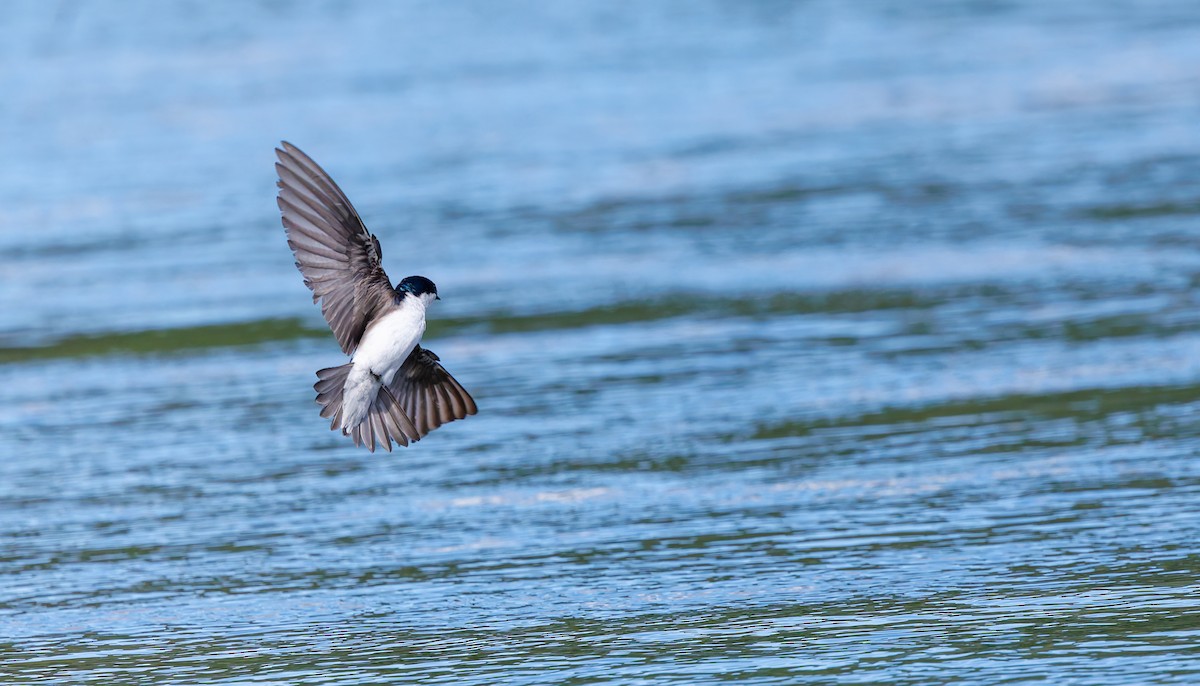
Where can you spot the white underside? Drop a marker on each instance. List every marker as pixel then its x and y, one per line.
pixel 385 346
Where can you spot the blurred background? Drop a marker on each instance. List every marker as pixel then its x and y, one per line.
pixel 813 341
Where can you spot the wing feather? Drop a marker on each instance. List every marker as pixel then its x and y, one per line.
pixel 335 253
pixel 428 393
pixel 309 195
pixel 306 218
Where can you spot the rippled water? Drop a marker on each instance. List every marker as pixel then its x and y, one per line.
pixel 813 342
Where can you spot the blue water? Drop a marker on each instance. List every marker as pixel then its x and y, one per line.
pixel 816 342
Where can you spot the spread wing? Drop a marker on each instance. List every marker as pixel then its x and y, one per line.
pixel 428 394
pixel 338 257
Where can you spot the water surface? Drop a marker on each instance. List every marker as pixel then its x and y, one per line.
pixel 817 342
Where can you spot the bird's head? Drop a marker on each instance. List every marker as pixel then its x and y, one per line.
pixel 418 287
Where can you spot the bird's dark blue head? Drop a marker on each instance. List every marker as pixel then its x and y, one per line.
pixel 418 286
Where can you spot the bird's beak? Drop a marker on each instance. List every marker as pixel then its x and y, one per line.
pixel 437 297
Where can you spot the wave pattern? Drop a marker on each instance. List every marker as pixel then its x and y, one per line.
pixel 811 343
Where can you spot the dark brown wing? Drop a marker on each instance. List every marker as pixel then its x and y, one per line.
pixel 428 394
pixel 338 257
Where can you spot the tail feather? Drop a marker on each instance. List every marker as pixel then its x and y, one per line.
pixel 329 392
pixel 385 422
pixel 364 435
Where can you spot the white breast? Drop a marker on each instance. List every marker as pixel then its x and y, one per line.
pixel 387 342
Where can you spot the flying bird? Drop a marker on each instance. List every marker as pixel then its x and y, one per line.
pixel 392 389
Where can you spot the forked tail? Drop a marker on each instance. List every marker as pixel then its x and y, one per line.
pixel 385 421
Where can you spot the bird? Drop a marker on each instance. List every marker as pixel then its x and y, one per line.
pixel 392 389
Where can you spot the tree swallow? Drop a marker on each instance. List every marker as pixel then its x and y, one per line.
pixel 392 389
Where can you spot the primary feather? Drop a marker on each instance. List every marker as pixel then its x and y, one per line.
pixel 338 257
